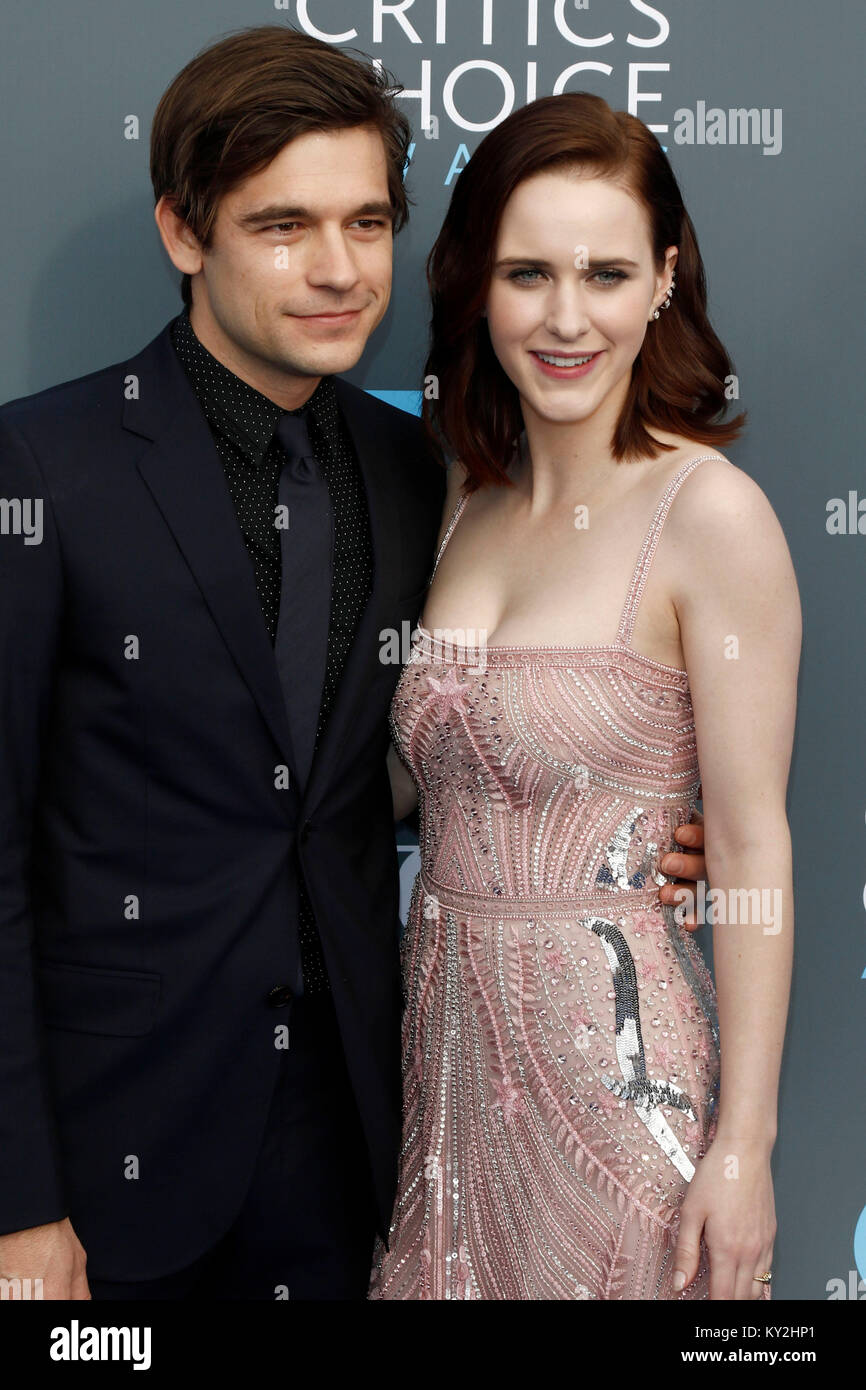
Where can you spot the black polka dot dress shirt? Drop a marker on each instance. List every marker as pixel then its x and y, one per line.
pixel 243 423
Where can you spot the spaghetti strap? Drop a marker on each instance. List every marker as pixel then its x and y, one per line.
pixel 455 516
pixel 647 550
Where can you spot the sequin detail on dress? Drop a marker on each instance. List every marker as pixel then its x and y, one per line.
pixel 560 1039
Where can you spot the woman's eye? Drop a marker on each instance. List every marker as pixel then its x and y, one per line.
pixel 530 276
pixel 520 275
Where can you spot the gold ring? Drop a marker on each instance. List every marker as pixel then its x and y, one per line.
pixel 765 1278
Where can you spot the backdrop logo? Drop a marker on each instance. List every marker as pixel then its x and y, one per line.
pixel 475 93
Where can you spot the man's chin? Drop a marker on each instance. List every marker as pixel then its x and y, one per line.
pixel 327 353
pixel 325 363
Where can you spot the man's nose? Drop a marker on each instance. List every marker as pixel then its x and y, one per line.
pixel 332 263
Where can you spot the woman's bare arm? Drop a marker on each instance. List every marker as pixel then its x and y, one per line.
pixel 740 623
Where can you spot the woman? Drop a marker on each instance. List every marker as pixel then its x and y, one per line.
pixel 614 622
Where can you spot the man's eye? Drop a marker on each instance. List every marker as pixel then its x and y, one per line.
pixel 364 222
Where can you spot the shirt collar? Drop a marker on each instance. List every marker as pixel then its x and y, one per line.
pixel 240 412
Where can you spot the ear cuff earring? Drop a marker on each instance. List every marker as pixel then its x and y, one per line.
pixel 667 302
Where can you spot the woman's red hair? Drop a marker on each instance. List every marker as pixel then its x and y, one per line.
pixel 678 378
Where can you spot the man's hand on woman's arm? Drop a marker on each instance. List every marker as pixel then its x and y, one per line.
pixel 687 867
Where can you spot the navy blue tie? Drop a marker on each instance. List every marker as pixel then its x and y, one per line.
pixel 306 542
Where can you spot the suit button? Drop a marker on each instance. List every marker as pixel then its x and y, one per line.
pixel 305 832
pixel 280 996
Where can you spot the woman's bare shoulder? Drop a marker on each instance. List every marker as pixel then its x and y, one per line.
pixel 720 519
pixel 457 476
pixel 453 490
pixel 717 494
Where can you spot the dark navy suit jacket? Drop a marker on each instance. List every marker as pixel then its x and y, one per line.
pixel 149 850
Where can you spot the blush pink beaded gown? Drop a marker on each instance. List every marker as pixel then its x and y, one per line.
pixel 560 1039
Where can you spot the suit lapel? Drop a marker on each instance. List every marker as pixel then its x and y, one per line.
pixel 362 664
pixel 182 469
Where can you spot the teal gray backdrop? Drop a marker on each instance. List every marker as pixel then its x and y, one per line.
pixel 779 214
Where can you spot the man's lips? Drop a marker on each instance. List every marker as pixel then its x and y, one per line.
pixel 344 316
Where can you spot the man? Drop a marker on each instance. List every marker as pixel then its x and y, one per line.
pixel 199 979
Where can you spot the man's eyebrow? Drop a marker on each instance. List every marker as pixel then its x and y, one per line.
pixel 546 265
pixel 261 217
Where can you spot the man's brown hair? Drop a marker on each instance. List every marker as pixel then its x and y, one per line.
pixel 231 110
